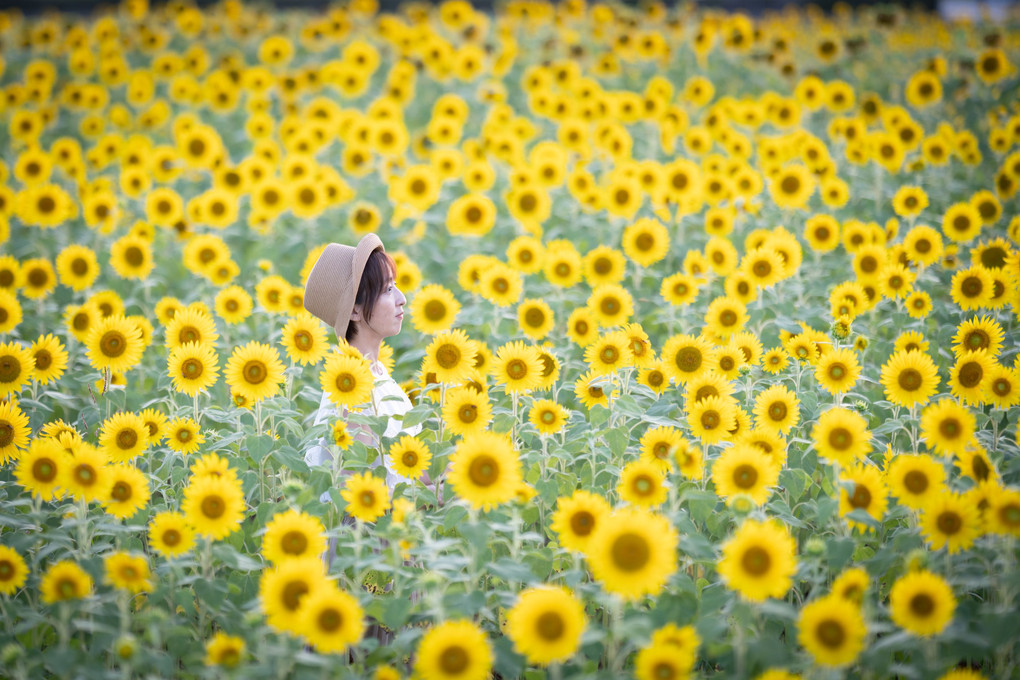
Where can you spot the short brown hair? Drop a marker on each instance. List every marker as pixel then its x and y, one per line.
pixel 379 268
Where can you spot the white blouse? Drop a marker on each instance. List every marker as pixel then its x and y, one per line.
pixel 388 399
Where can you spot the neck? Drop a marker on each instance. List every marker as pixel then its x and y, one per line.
pixel 368 346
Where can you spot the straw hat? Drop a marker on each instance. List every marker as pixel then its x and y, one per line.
pixel 333 282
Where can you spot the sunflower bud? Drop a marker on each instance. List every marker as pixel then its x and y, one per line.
pixel 860 343
pixel 292 488
pixel 741 505
pixel 917 560
pixel 814 547
pixel 10 654
pixel 125 647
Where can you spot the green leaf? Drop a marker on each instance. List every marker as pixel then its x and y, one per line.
pixel 396 612
pixel 259 446
pixel 617 439
pixel 455 514
pixel 511 570
pixel 210 593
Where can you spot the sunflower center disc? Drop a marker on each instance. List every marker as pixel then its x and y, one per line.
pixel 294 543
pixel 831 634
pixel 922 604
pixel 631 552
pixel 121 492
pixel 329 620
pixel 910 379
pixel 756 561
pixel 916 482
pixel 949 523
pixel 213 507
pixel 44 470
pixel 454 659
pixel 292 594
pixel 745 476
pixel 255 372
pixel 171 537
pixel 861 497
pixel 971 374
pixel 582 523
pixel 688 359
pixel 484 470
pixel 447 356
pixel 550 626
pixel 113 344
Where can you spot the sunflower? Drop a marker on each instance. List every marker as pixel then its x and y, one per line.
pixel 517 367
pixel 922 602
pixel 183 435
pixel 577 517
pixel 170 535
pixel 50 358
pixel 642 484
pixel 433 309
pixel 128 491
pixel 500 284
pixel 131 257
pixel 915 480
pixel 466 410
pixel 77 267
pixel 961 222
pixel 923 245
pixel 609 353
pixel 304 339
pixel 127 571
pixel 193 367
pixel 563 265
pixel 680 289
pixel 546 624
pixel 485 470
pixel 968 376
pixel 949 520
pixel 214 506
pixel 410 457
pixel 450 356
pixel 909 377
pixel 725 316
pixel 1002 387
pixel 841 436
pixel 347 379
pixel 582 327
pixel 224 650
pixel 547 416
pixel 862 489
pixel 526 254
pixel 646 241
pixel 712 418
pixel 947 426
pixel 838 370
pixel 292 535
pixel 832 630
pixel 743 469
pixel 535 318
pixel 454 650
pixel 792 186
pixel 972 288
pixel 86 476
pixel 654 377
pixel 255 372
pixel 124 436
pixel 611 305
pixel 1002 516
pixel 14 431
pixel 633 552
pixel 115 343
pixel 41 468
pixel 13 570
pixel 687 356
pixel 367 497
pixel 758 560
pixel 331 620
pixel 286 587
pixel 64 580
pixel 777 408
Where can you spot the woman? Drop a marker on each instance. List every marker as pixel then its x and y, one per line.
pixel 352 289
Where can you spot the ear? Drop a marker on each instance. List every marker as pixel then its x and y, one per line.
pixel 356 313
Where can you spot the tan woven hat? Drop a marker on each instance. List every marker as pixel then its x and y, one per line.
pixel 333 282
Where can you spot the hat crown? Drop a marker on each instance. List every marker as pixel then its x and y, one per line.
pixel 333 283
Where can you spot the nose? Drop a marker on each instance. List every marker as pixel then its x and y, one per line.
pixel 401 299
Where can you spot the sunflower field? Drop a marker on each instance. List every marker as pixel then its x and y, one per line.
pixel 712 343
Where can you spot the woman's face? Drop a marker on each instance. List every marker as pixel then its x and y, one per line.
pixel 387 313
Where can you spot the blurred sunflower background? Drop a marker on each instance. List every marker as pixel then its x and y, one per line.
pixel 712 351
